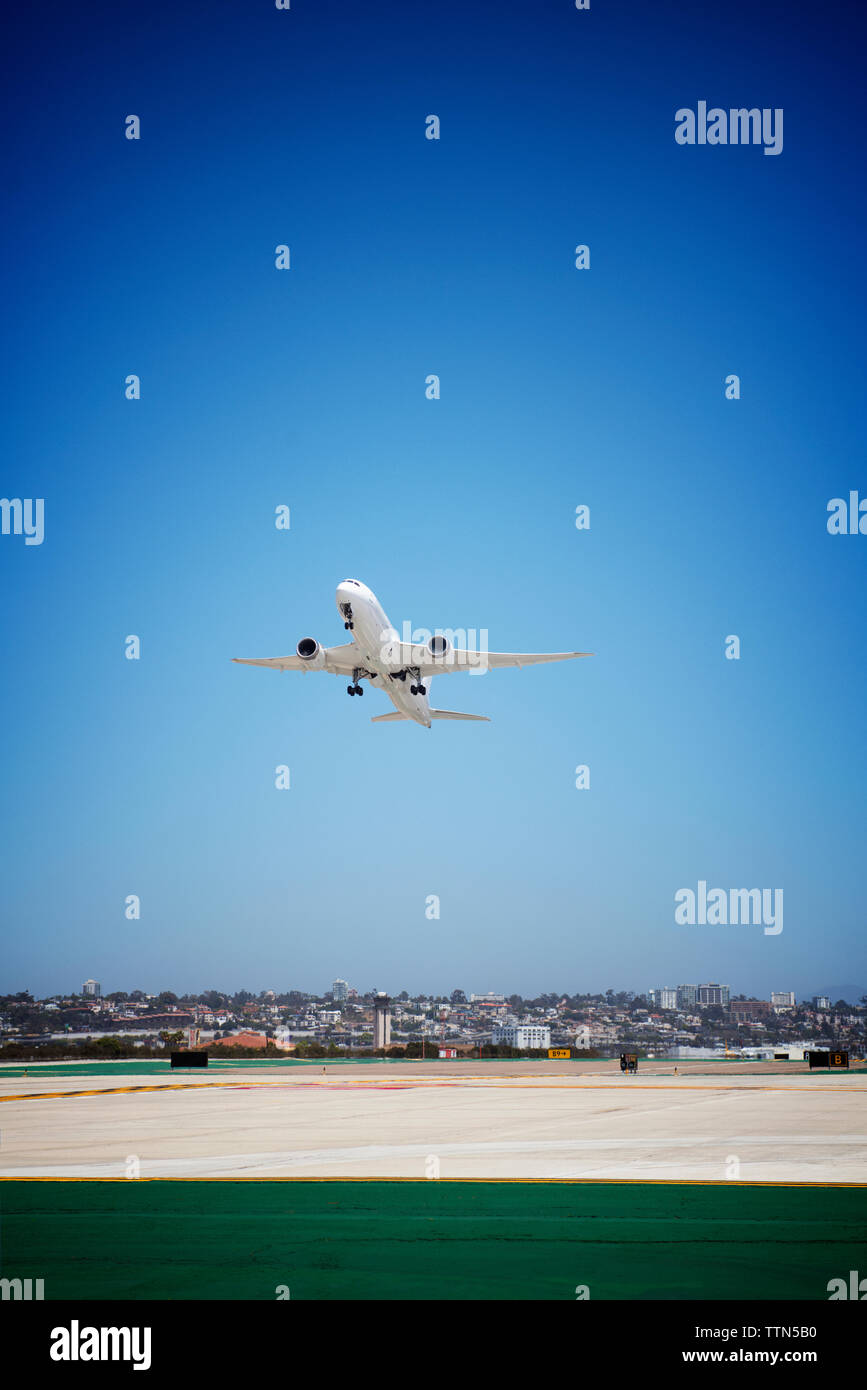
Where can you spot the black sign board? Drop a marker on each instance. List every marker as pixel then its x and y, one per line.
pixel 828 1059
pixel 189 1059
pixel 628 1061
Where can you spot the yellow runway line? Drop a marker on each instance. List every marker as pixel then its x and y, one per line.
pixel 120 1090
pixel 486 1083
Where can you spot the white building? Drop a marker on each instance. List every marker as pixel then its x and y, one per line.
pixel 522 1035
pixel 668 998
pixel 782 999
pixel 92 988
pixel 713 994
pixel 339 991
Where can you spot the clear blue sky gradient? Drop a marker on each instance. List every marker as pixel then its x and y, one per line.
pixel 306 387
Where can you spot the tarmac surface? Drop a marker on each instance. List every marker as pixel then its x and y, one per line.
pixel 707 1122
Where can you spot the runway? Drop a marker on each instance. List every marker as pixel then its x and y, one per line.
pixel 418 1181
pixel 549 1122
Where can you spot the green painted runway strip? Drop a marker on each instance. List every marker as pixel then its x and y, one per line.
pixel 389 1241
pixel 154 1066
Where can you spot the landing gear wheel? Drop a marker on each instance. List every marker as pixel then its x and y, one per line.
pixel 350 690
pixel 422 689
pixel 359 690
pixel 413 690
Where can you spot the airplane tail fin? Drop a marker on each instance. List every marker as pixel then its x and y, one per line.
pixel 453 714
pixel 388 718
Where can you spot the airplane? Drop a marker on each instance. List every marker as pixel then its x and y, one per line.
pixel 376 654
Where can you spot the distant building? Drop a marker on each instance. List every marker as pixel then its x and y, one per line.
pixel 713 994
pixel 749 1008
pixel 686 996
pixel 821 1001
pixel 782 999
pixel 488 1001
pixel 92 988
pixel 668 998
pixel 696 1053
pixel 522 1035
pixel 340 991
pixel 242 1040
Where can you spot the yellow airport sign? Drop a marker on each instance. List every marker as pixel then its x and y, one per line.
pixel 559 1052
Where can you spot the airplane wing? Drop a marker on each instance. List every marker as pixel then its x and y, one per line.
pixel 457 659
pixel 340 660
pixel 400 655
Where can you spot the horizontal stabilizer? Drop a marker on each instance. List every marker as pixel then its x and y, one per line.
pixel 453 714
pixel 388 718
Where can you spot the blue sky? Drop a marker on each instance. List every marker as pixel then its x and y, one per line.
pixel 306 387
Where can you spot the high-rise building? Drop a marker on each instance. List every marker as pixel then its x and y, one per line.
pixel 749 1008
pixel 381 1021
pixel 686 996
pixel 782 999
pixel 668 998
pixel 339 991
pixel 92 988
pixel 713 994
pixel 821 1001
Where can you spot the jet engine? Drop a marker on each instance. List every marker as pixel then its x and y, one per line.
pixel 311 653
pixel 438 646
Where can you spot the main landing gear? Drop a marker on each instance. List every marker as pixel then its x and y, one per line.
pixel 416 688
pixel 355 688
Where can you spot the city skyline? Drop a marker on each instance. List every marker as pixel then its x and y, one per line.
pixel 849 993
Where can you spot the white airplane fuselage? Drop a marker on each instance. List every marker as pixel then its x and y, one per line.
pixel 371 632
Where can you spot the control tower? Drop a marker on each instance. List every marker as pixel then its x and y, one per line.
pixel 381 1021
